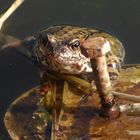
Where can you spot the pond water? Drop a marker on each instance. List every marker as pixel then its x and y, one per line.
pixel 119 18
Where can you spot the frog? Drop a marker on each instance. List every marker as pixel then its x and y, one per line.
pixel 58 48
pixel 62 49
pixel 59 53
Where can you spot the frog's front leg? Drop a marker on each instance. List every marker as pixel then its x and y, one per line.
pixel 96 49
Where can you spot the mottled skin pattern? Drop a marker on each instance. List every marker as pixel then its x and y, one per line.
pixel 58 48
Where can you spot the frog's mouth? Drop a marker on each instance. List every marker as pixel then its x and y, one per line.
pixel 72 61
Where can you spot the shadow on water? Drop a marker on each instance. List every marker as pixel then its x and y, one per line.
pixel 120 18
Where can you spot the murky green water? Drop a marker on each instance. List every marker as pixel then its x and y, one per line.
pixel 119 18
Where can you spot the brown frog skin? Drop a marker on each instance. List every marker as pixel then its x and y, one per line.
pixel 58 48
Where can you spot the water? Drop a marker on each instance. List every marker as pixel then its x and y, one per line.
pixel 119 18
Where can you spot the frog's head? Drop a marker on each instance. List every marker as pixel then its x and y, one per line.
pixel 60 49
pixel 62 55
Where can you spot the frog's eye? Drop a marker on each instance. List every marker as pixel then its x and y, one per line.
pixel 75 44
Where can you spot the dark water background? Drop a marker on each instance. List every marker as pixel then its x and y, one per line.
pixel 120 18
